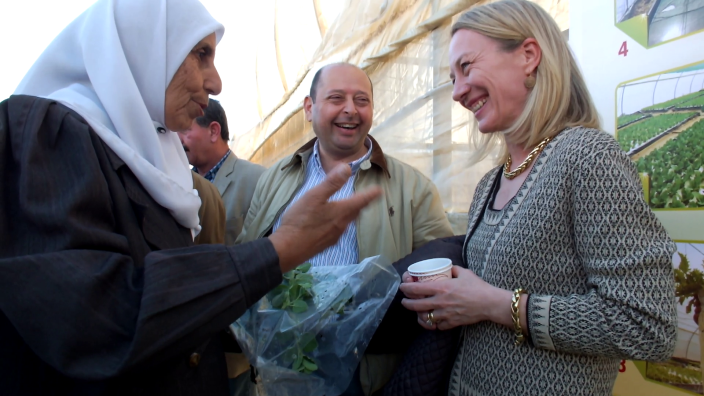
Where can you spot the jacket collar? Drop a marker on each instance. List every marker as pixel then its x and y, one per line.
pixel 228 166
pixel 215 170
pixel 377 158
pixel 222 178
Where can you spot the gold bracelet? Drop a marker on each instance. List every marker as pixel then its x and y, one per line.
pixel 516 316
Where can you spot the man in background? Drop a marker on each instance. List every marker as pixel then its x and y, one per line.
pixel 340 107
pixel 207 149
pixel 206 146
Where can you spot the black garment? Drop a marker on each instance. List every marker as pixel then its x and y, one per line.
pixel 101 290
pixel 428 355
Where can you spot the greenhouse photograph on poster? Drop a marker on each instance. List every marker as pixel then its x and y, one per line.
pixel 653 22
pixel 683 370
pixel 660 125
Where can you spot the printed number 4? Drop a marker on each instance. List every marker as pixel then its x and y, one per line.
pixel 624 49
pixel 622 368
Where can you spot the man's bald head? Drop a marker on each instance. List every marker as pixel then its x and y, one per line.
pixel 341 110
pixel 319 75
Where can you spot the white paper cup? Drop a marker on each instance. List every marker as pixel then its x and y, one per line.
pixel 431 270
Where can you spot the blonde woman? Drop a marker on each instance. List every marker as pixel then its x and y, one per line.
pixel 568 270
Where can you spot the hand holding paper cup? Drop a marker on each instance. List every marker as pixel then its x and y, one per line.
pixel 431 270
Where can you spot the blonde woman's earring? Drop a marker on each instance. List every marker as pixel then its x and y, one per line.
pixel 529 82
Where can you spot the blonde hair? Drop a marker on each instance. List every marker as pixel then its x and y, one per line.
pixel 560 98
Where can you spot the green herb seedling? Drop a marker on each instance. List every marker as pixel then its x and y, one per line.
pixel 302 362
pixel 295 289
pixel 292 294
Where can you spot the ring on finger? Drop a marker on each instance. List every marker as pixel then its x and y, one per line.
pixel 429 322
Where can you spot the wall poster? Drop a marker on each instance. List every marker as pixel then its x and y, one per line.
pixel 652 100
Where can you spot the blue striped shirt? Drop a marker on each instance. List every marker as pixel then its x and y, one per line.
pixel 346 250
pixel 210 176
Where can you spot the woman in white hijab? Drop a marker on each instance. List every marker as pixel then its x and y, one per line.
pixel 101 290
pixel 112 66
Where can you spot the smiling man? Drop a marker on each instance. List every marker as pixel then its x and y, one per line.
pixel 340 107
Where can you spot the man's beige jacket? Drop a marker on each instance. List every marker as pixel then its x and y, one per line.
pixel 409 214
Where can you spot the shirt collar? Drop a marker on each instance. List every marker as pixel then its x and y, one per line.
pixel 210 175
pixel 304 152
pixel 354 164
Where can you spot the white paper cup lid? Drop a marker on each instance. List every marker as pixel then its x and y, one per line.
pixel 427 267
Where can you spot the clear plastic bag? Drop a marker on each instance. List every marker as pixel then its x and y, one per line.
pixel 325 341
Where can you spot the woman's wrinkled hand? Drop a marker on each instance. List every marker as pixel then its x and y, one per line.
pixel 463 300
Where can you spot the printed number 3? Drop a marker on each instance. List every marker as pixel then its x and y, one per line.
pixel 624 49
pixel 622 368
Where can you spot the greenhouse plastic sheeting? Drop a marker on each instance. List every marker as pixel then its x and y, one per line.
pixel 403 46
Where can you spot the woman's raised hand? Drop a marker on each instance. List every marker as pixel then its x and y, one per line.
pixel 313 223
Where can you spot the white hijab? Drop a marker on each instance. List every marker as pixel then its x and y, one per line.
pixel 112 65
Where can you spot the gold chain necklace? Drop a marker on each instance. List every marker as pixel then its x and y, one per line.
pixel 522 167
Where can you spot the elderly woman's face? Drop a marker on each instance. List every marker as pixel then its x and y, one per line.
pixel 196 79
pixel 487 80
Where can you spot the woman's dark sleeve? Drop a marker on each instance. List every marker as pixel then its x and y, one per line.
pixel 68 282
pixel 400 327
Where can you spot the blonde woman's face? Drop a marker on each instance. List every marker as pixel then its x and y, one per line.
pixel 488 81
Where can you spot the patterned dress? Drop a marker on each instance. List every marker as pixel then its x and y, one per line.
pixel 579 237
